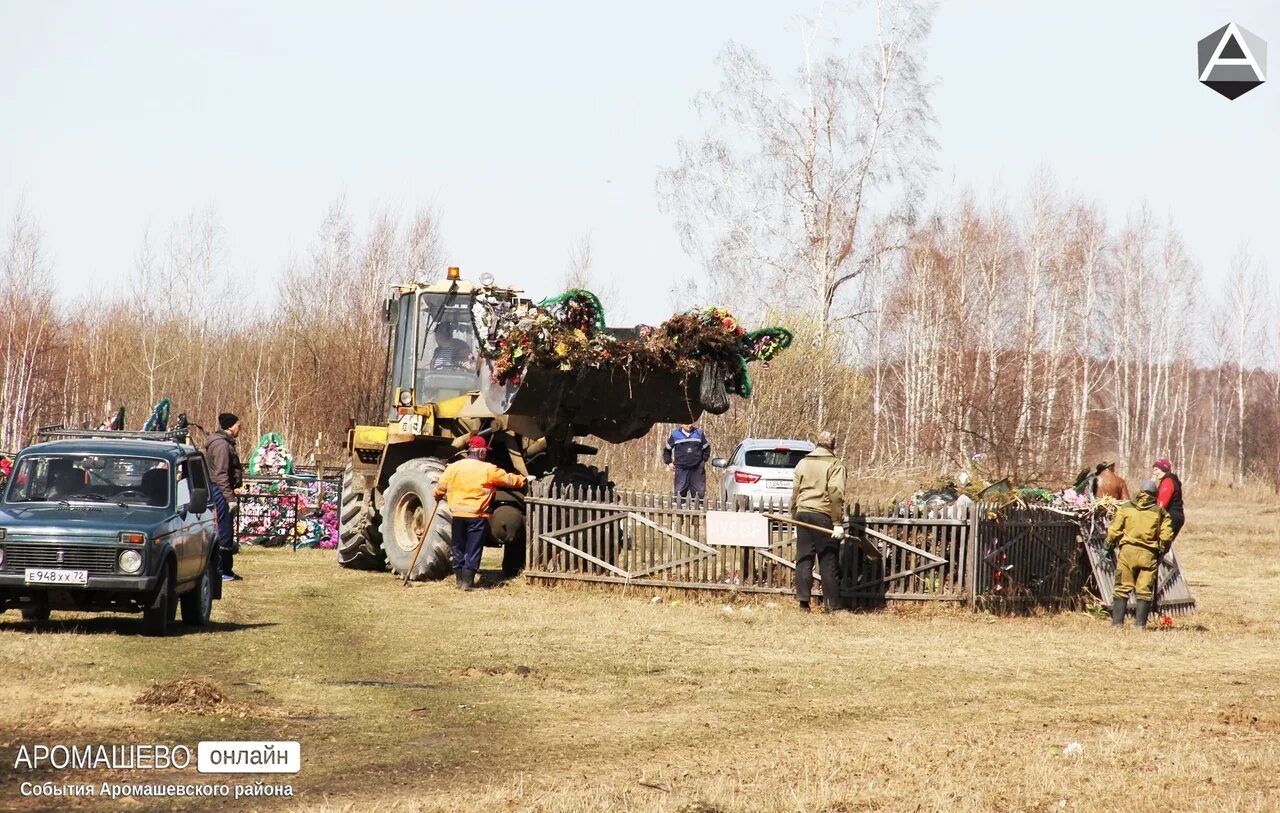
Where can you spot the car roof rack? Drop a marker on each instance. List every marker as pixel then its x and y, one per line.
pixel 60 432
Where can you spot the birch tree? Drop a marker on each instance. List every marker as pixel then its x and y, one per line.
pixel 28 323
pixel 783 194
pixel 1246 298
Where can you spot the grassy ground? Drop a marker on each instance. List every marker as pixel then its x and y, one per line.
pixel 632 705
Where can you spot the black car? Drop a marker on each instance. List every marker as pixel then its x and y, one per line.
pixel 117 524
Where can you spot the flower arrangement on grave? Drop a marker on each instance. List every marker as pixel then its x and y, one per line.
pixel 271 458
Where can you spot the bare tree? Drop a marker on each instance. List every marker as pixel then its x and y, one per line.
pixel 28 322
pixel 1246 300
pixel 424 249
pixel 779 196
pixel 580 272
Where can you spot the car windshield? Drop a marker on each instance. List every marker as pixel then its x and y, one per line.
pixel 89 478
pixel 774 458
pixel 446 347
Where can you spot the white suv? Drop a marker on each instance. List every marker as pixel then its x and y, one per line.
pixel 761 470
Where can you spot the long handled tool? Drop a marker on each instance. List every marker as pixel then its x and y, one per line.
pixel 863 543
pixel 423 538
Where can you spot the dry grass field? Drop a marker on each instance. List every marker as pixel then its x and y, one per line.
pixel 520 697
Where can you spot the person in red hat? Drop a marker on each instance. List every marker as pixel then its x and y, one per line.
pixel 468 484
pixel 1169 493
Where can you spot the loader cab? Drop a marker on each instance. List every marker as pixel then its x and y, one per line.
pixel 433 347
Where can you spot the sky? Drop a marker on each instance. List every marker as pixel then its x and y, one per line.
pixel 528 125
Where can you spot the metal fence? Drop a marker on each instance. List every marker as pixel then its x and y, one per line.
pixel 269 514
pixel 1004 559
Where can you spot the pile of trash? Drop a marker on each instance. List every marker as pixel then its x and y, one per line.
pixel 969 487
pixel 568 332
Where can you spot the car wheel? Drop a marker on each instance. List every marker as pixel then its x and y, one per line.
pixel 37 614
pixel 198 603
pixel 157 615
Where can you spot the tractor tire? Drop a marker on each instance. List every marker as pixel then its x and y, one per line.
pixel 507 531
pixel 582 476
pixel 359 540
pixel 581 481
pixel 407 503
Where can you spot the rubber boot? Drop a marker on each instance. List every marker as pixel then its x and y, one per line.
pixel 457 579
pixel 1140 616
pixel 468 579
pixel 1118 606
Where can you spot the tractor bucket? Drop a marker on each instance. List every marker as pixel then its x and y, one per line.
pixel 611 403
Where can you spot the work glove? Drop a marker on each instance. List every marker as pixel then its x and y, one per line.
pixel 837 532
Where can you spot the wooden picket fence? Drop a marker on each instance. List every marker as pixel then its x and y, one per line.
pixel 1004 559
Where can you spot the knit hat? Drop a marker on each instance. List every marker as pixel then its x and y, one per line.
pixel 1163 464
pixel 227 420
pixel 1148 486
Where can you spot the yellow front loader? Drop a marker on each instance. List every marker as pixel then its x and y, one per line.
pixel 440 393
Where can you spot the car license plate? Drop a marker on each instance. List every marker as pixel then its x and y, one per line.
pixel 411 425
pixel 778 483
pixel 49 575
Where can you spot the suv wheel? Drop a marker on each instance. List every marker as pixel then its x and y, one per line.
pixel 198 603
pixel 156 617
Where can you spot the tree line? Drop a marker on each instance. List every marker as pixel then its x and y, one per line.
pixel 182 328
pixel 1037 337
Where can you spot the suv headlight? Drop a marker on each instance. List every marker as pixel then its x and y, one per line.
pixel 130 561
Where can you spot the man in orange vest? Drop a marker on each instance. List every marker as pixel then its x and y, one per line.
pixel 469 484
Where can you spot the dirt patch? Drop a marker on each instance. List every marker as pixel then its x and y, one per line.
pixel 386 684
pixel 194 696
pixel 490 671
pixel 1247 718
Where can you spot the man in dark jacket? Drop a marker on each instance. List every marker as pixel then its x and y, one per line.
pixel 226 473
pixel 686 455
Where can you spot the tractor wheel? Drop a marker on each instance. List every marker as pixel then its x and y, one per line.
pixel 581 476
pixel 507 529
pixel 406 506
pixel 359 540
pixel 586 482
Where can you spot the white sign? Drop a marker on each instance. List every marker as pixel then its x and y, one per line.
pixel 46 575
pixel 248 757
pixel 411 425
pixel 742 529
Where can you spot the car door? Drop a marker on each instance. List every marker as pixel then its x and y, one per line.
pixel 726 476
pixel 186 548
pixel 204 525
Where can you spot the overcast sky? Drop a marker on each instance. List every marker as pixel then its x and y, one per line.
pixel 528 124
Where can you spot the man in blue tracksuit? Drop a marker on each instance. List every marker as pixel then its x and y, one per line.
pixel 686 454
